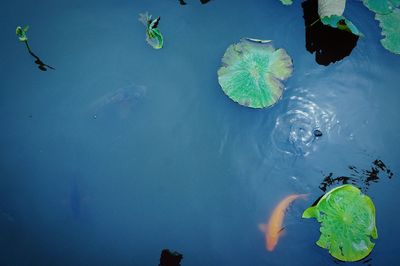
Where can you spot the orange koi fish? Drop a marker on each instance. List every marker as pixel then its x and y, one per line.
pixel 274 229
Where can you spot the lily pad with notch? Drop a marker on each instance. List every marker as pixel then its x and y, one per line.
pixel 348 223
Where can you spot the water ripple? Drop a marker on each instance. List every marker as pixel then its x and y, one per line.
pixel 294 130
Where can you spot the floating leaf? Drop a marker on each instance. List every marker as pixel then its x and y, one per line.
pixel 21 33
pixel 391 30
pixel 381 6
pixel 347 220
pixel 327 8
pixel 155 38
pixel 252 73
pixel 341 23
pixel 153 34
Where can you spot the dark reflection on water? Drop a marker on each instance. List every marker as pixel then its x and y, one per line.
pixel 329 44
pixel 169 258
pixel 182 2
pixel 360 178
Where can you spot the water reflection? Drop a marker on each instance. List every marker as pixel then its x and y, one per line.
pixel 296 131
pixel 329 44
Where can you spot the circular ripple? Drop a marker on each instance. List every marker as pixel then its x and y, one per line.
pixel 293 131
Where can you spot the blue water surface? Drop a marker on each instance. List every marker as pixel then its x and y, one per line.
pixel 124 150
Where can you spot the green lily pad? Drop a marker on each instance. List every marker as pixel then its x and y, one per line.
pixel 391 30
pixel 21 33
pixel 347 220
pixel 252 73
pixel 341 23
pixel 327 8
pixel 287 2
pixel 381 6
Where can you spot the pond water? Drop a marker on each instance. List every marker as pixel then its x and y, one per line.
pixel 124 150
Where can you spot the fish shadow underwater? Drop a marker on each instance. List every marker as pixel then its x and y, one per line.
pixel 120 103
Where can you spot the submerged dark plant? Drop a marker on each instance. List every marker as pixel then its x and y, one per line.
pixel 21 34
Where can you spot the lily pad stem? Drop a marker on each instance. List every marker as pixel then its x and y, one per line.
pixel 312 24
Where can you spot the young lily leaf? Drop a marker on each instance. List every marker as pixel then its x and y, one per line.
pixel 153 34
pixel 381 6
pixel 252 73
pixel 155 38
pixel 327 8
pixel 391 30
pixel 347 220
pixel 341 23
pixel 21 33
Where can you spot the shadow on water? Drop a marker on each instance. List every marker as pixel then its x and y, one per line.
pixel 182 2
pixel 169 258
pixel 366 261
pixel 329 44
pixel 360 178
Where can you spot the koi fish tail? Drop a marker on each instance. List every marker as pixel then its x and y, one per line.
pixel 302 196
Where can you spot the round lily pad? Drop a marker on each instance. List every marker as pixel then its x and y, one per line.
pixel 347 220
pixel 391 30
pixel 381 6
pixel 252 73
